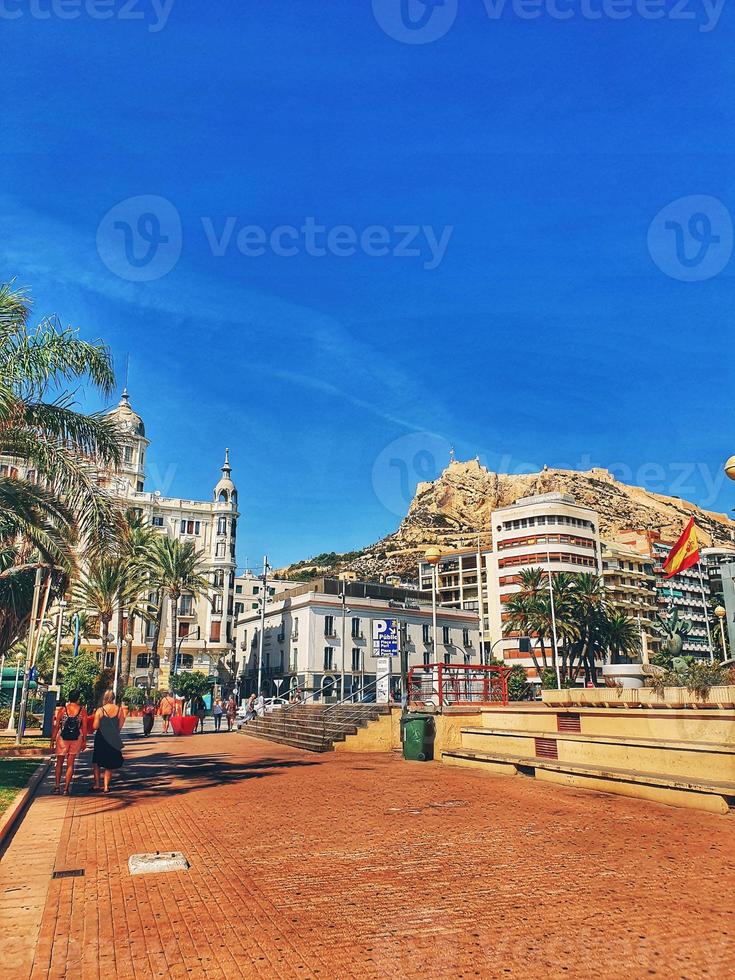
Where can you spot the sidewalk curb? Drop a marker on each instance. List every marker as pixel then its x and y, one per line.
pixel 16 811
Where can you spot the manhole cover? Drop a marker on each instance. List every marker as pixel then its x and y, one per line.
pixel 74 873
pixel 158 863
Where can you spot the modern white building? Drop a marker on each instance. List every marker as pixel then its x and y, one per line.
pixel 323 630
pixel 550 531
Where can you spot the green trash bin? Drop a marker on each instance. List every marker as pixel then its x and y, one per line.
pixel 418 738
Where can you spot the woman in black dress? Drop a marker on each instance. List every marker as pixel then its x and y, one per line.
pixel 107 755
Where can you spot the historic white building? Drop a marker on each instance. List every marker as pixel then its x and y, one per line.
pixel 204 638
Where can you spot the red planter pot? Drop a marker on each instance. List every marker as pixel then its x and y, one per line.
pixel 184 725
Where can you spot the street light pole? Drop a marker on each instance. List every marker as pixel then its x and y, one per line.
pixel 343 597
pixel 11 722
pixel 721 612
pixel 480 601
pixel 262 623
pixel 553 620
pixel 29 656
pixel 432 556
pixel 57 649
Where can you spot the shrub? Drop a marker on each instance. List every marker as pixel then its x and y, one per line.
pixel 518 687
pixel 548 679
pixel 134 697
pixel 191 683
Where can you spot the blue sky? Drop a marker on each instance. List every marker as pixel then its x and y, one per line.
pixel 559 325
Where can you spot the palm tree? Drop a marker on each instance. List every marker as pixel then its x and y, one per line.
pixel 622 636
pixel 54 506
pixel 104 587
pixel 589 612
pixel 178 568
pixel 138 550
pixel 527 611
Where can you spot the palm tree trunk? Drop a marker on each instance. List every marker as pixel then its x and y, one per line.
pixel 174 629
pixel 129 651
pixel 543 651
pixel 105 621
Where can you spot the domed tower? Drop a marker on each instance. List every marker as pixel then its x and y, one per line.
pixel 226 492
pixel 132 465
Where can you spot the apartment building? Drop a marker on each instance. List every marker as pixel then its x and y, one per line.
pixel 630 585
pixel 460 585
pixel 321 630
pixel 549 531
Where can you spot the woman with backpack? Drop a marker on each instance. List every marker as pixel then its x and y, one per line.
pixel 68 737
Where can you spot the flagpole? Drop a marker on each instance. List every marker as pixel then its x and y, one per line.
pixel 706 613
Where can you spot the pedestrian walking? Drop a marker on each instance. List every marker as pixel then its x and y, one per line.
pixel 231 711
pixel 107 754
pixel 217 712
pixel 260 706
pixel 168 708
pixel 68 738
pixel 199 708
pixel 250 709
pixel 149 716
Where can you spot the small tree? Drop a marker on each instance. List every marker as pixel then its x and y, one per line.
pixel 191 684
pixel 81 675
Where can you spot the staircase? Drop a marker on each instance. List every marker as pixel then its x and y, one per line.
pixel 313 727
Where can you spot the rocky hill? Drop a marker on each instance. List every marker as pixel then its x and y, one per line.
pixel 456 507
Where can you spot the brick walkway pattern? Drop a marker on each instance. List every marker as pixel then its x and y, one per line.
pixel 365 866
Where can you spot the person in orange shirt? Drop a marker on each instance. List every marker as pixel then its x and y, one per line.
pixel 168 708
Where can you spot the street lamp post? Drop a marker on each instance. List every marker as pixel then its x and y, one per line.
pixel 11 722
pixel 57 649
pixel 177 652
pixel 432 556
pixel 721 612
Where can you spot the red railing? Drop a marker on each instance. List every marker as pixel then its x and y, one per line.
pixel 444 685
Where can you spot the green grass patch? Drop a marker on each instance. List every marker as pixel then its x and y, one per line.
pixel 14 776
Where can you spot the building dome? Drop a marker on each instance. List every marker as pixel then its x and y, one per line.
pixel 226 491
pixel 129 420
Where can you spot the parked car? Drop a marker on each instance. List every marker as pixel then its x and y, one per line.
pixel 270 705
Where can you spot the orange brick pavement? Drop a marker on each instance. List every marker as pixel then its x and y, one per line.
pixel 366 866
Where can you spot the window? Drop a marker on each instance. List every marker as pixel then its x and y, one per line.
pixel 219 549
pixel 190 527
pixel 239 608
pixel 427 658
pixel 222 525
pixel 465 637
pixel 185 661
pixel 141 661
pixel 238 590
pixel 128 454
pixel 329 657
pixel 183 629
pixel 157 521
pixel 150 630
pixel 447 657
pixel 355 660
pixel 214 632
pixel 254 605
pixel 186 605
pixel 329 626
pixel 425 632
pixel 217 604
pixel 295 633
pixel 293 659
pixel 445 635
pixel 218 578
pixel 355 627
pixel 109 658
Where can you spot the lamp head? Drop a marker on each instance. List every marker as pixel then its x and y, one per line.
pixel 730 467
pixel 432 555
pixel 720 612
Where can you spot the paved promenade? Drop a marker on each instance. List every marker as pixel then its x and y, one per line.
pixel 360 866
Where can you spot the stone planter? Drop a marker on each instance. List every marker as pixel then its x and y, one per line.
pixel 557 698
pixel 624 675
pixel 723 697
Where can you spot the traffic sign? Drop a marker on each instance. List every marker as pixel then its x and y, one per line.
pixel 385 638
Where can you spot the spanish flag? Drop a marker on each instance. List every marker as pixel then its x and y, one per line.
pixel 685 552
